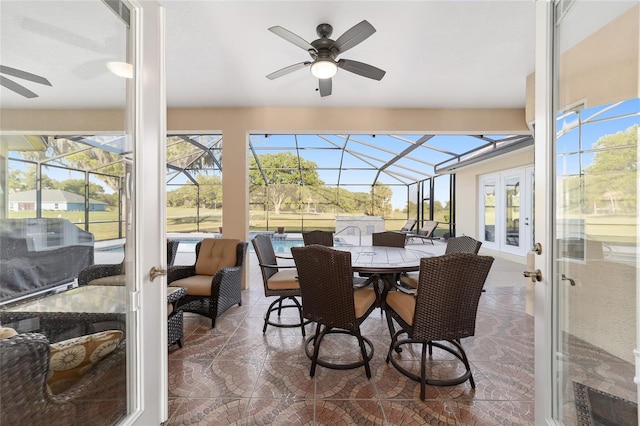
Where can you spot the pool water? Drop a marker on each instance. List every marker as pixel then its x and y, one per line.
pixel 189 245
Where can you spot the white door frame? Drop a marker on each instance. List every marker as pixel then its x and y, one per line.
pixel 147 369
pixel 543 210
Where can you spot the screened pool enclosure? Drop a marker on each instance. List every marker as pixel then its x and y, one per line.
pixel 296 181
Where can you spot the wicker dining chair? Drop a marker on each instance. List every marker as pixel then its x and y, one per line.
pixel 464 244
pixel 214 282
pixel 385 239
pixel 329 299
pixel 443 310
pixel 323 238
pixel 388 239
pixel 279 281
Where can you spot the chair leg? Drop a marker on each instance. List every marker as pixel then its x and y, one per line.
pixel 317 339
pixel 465 361
pixel 268 314
pixel 363 350
pixel 302 324
pixel 423 372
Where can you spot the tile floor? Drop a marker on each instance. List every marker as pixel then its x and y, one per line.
pixel 235 374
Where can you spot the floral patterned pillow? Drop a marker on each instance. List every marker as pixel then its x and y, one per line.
pixel 71 359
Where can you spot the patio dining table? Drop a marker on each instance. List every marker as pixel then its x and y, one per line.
pixel 386 262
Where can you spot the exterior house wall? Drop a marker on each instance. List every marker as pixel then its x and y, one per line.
pixel 467 181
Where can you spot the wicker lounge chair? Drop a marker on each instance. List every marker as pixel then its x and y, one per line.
pixel 279 281
pixel 424 233
pixel 329 299
pixel 443 309
pixel 323 238
pixel 214 282
pixel 408 226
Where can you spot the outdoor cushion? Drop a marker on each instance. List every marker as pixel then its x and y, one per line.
pixel 410 279
pixel 196 285
pixel 283 280
pixel 6 332
pixel 216 254
pixel 73 358
pixel 363 298
pixel 404 304
pixel 110 280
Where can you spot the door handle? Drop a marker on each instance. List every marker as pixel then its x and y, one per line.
pixel 535 275
pixel 571 280
pixel 155 272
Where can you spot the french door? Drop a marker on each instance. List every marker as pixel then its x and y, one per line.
pixel 506 210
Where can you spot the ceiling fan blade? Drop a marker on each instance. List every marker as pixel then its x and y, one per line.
pixel 287 70
pixel 24 75
pixel 292 38
pixel 324 84
pixel 61 34
pixel 354 36
pixel 20 90
pixel 362 69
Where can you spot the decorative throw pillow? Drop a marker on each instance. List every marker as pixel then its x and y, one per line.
pixel 71 359
pixel 6 332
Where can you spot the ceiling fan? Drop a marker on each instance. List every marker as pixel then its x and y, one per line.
pixel 324 51
pixel 18 88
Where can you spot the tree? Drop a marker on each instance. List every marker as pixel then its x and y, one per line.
pixel 76 186
pixel 610 180
pixel 381 195
pixel 24 180
pixel 284 176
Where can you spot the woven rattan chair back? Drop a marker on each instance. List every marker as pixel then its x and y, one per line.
pixel 266 255
pixel 464 244
pixel 388 239
pixel 172 250
pixel 448 293
pixel 323 238
pixel 326 285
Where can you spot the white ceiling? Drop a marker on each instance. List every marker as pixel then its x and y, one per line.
pixel 451 54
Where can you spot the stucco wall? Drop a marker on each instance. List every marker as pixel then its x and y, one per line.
pixel 467 189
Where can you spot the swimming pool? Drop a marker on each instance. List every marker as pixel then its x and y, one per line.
pixel 188 244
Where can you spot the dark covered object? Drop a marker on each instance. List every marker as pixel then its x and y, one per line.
pixel 36 254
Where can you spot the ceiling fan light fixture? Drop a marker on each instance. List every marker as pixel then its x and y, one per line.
pixel 121 69
pixel 324 68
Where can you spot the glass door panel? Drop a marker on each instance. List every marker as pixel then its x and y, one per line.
pixel 596 247
pixel 512 211
pixel 489 211
pixel 81 343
